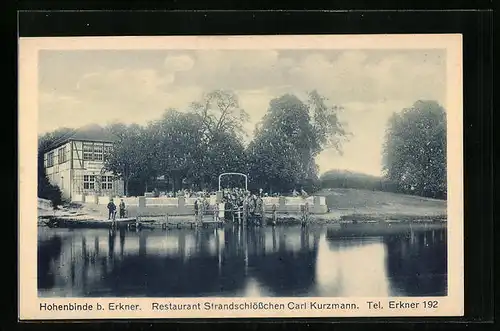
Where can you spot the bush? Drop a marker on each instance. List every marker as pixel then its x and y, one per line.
pixel 346 179
pixel 50 192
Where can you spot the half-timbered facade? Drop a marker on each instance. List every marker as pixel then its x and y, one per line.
pixel 75 163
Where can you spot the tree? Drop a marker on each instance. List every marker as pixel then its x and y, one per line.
pixel 129 157
pixel 180 147
pixel 224 153
pixel 415 149
pixel 220 112
pixel 329 131
pixel 290 136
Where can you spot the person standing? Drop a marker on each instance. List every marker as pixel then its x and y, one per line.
pixel 122 208
pixel 111 209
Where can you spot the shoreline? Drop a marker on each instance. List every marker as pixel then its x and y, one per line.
pixel 179 222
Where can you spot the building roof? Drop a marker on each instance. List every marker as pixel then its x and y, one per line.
pixel 91 132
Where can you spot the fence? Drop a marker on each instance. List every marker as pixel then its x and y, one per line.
pixel 185 206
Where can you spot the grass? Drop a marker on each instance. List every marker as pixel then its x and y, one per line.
pixel 351 204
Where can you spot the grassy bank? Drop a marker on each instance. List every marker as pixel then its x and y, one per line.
pixel 365 205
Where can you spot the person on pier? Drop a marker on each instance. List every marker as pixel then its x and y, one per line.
pixel 122 208
pixel 111 210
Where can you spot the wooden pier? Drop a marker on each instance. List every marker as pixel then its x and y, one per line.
pixel 89 222
pixel 203 218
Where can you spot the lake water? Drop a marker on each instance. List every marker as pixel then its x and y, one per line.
pixel 352 260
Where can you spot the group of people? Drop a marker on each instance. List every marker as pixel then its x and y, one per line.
pixel 236 199
pixel 112 209
pixel 186 193
pixel 239 192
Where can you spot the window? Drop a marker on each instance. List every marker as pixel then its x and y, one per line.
pixel 107 182
pixel 106 151
pixel 97 152
pixel 61 154
pixel 50 159
pixel 88 182
pixel 88 150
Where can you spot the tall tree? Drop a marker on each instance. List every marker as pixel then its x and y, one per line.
pixel 290 136
pixel 180 144
pixel 415 149
pixel 128 158
pixel 220 112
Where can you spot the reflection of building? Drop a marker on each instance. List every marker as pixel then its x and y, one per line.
pixel 75 163
pixel 182 263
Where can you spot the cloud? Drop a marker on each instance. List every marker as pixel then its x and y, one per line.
pixel 352 77
pixel 125 95
pixel 175 63
pixel 122 82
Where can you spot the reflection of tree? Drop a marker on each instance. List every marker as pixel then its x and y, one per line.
pixel 283 271
pixel 417 264
pixel 48 251
pixel 241 254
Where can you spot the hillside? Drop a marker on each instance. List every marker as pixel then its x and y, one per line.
pixel 350 179
pixel 381 205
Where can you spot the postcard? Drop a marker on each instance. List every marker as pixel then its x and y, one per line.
pixel 240 176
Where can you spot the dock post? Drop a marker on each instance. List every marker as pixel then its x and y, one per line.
pixel 274 217
pixel 304 211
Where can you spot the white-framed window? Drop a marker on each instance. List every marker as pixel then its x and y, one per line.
pixel 50 159
pixel 107 182
pixel 97 152
pixel 88 151
pixel 88 182
pixel 61 154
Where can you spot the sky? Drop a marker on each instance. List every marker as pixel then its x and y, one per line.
pixel 79 87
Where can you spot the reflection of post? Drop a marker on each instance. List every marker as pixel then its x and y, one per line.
pixel 96 246
pixel 315 240
pixel 181 244
pixel 142 243
pixel 262 242
pixel 84 250
pixel 245 247
pixel 245 212
pixel 111 243
pixel 274 239
pixel 281 240
pixel 85 264
pixel 304 239
pixel 122 241
pixel 72 265
pixel 204 241
pixel 219 252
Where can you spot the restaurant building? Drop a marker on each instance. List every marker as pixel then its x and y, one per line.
pixel 75 163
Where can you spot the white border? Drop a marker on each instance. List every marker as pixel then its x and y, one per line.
pixel 452 305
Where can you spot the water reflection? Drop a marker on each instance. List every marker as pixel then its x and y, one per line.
pixel 342 260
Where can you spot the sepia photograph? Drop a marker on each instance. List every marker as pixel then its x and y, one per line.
pixel 207 170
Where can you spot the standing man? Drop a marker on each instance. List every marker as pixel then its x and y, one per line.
pixel 122 208
pixel 111 209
